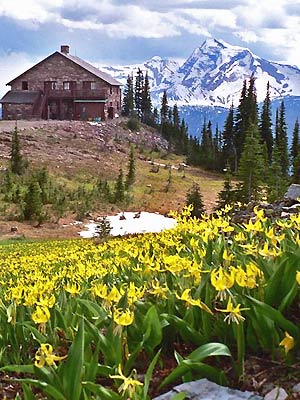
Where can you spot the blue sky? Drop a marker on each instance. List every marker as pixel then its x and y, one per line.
pixel 117 32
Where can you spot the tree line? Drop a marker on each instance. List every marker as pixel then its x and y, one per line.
pixel 249 148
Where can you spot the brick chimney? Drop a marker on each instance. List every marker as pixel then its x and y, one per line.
pixel 65 49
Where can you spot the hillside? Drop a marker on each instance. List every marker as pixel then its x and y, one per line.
pixel 80 153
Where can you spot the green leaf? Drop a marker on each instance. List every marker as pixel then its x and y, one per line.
pixel 37 335
pixel 94 308
pixel 209 350
pixel 28 394
pixel 26 369
pixel 275 316
pixel 105 394
pixel 186 332
pixel 72 370
pixel 148 375
pixel 45 387
pixel 179 396
pixel 153 330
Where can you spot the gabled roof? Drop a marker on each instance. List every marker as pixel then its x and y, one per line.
pixel 83 64
pixel 19 97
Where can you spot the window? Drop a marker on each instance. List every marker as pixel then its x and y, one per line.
pixel 111 90
pixel 89 85
pixel 24 85
pixel 53 85
pixel 66 85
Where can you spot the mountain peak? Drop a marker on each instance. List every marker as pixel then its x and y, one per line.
pixel 211 42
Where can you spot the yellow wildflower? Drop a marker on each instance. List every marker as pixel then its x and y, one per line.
pixel 298 277
pixel 41 315
pixel 129 383
pixel 44 355
pixel 158 290
pixel 221 279
pixel 288 342
pixel 72 288
pixel 190 301
pixel 123 317
pixel 114 295
pixel 234 312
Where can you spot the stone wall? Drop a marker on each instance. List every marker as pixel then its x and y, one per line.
pixel 16 111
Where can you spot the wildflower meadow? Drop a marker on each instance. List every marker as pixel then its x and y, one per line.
pixel 82 320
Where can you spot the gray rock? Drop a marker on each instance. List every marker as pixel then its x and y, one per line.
pixel 276 394
pixel 293 192
pixel 296 388
pixel 206 390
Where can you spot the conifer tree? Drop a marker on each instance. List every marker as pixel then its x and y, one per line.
pixel 265 125
pixel 164 116
pixel 138 93
pixel 176 118
pixel 164 109
pixel 128 97
pixel 282 139
pixel 119 187
pixel 131 168
pixel 17 163
pixel 33 202
pixel 227 195
pixel 277 182
pixel 295 154
pixel 252 167
pixel 194 198
pixel 146 101
pixel 229 150
pixel 246 115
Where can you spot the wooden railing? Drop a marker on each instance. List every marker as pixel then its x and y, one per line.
pixel 80 94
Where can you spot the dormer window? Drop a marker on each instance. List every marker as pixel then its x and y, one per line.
pixel 24 85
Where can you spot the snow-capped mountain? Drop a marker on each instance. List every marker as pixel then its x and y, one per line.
pixel 213 76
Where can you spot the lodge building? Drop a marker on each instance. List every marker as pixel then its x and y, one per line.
pixel 64 87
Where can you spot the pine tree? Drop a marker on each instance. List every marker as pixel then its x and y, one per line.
pixel 103 228
pixel 17 164
pixel 229 150
pixel 128 97
pixel 265 125
pixel 164 108
pixel 295 154
pixel 131 168
pixel 252 166
pixel 138 93
pixel 228 194
pixel 282 139
pixel 33 205
pixel 146 101
pixel 176 118
pixel 246 115
pixel 194 198
pixel 119 187
pixel 164 117
pixel 277 182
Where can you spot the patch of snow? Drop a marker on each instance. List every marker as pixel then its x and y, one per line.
pixel 146 222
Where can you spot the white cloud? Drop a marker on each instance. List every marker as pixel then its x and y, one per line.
pixel 12 65
pixel 273 26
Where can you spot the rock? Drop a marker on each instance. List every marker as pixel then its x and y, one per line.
pixel 293 192
pixel 277 393
pixel 203 389
pixel 14 229
pixel 296 388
